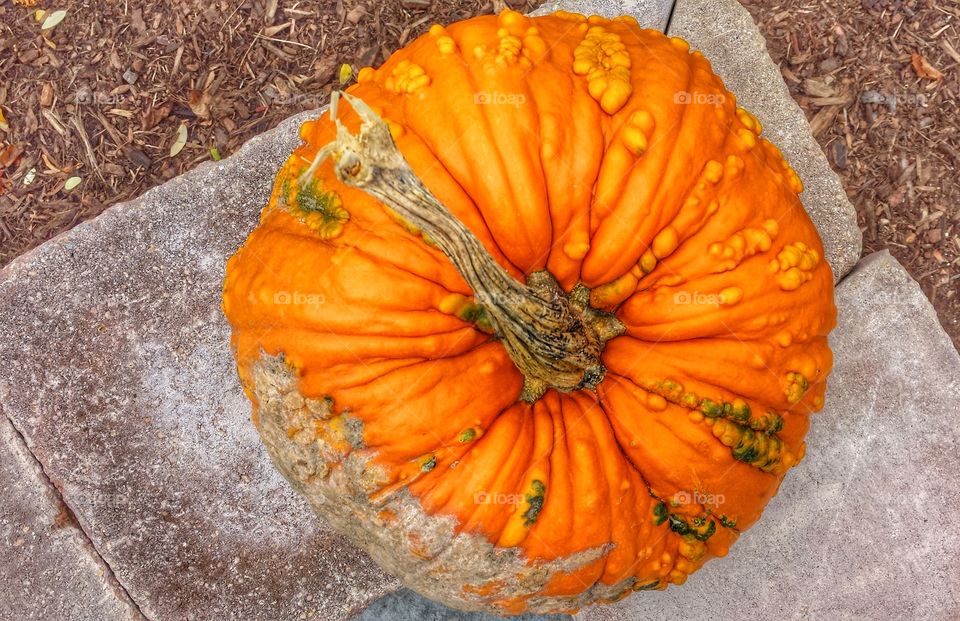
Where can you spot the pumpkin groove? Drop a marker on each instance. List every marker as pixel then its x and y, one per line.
pixel 528 326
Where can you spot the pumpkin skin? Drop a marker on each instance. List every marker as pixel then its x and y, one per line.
pixel 607 155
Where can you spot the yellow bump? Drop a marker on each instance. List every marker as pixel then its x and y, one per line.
pixel 569 15
pixel 644 120
pixel 680 44
pixel 734 166
pixel 665 242
pixel 613 292
pixel 576 250
pixel 794 180
pixel 713 171
pixel 437 30
pixel 656 403
pixel 713 207
pixel 784 338
pixel 772 227
pixel 648 261
pixel 791 279
pixel 407 77
pixel 602 58
pixel 396 131
pixel 731 296
pixel 749 121
pixel 534 46
pixel 365 74
pixel 446 45
pixel 629 19
pixel 634 139
pixel 511 18
pixel 748 138
pixel 452 303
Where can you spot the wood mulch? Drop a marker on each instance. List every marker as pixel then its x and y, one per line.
pixel 880 83
pixel 93 106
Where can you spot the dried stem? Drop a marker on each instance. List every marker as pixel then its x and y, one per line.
pixel 555 339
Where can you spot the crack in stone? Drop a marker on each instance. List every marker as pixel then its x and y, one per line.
pixel 119 590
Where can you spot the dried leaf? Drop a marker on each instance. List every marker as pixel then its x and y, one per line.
pixel 818 87
pixel 53 19
pixel 9 155
pixel 346 72
pixel 200 103
pixel 153 116
pixel 30 176
pixel 3 122
pixel 923 68
pixel 181 140
pixel 71 183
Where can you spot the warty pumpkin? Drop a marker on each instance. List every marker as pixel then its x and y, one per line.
pixel 534 316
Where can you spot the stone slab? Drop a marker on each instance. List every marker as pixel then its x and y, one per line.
pixel 868 525
pixel 726 34
pixel 49 570
pixel 118 372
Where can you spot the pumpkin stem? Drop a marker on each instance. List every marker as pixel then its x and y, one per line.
pixel 555 339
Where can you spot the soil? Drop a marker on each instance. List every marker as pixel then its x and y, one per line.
pixel 94 106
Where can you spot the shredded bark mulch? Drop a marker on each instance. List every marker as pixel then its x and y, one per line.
pixel 93 105
pixel 118 97
pixel 880 83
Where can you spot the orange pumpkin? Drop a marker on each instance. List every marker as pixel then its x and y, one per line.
pixel 536 318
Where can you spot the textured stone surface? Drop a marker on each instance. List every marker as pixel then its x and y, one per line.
pixel 48 569
pixel 119 374
pixel 726 34
pixel 867 526
pixel 405 605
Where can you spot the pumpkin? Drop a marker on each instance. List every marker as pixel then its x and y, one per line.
pixel 534 316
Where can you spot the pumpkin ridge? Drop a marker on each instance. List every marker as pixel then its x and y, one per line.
pixel 502 166
pixel 657 178
pixel 500 255
pixel 729 418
